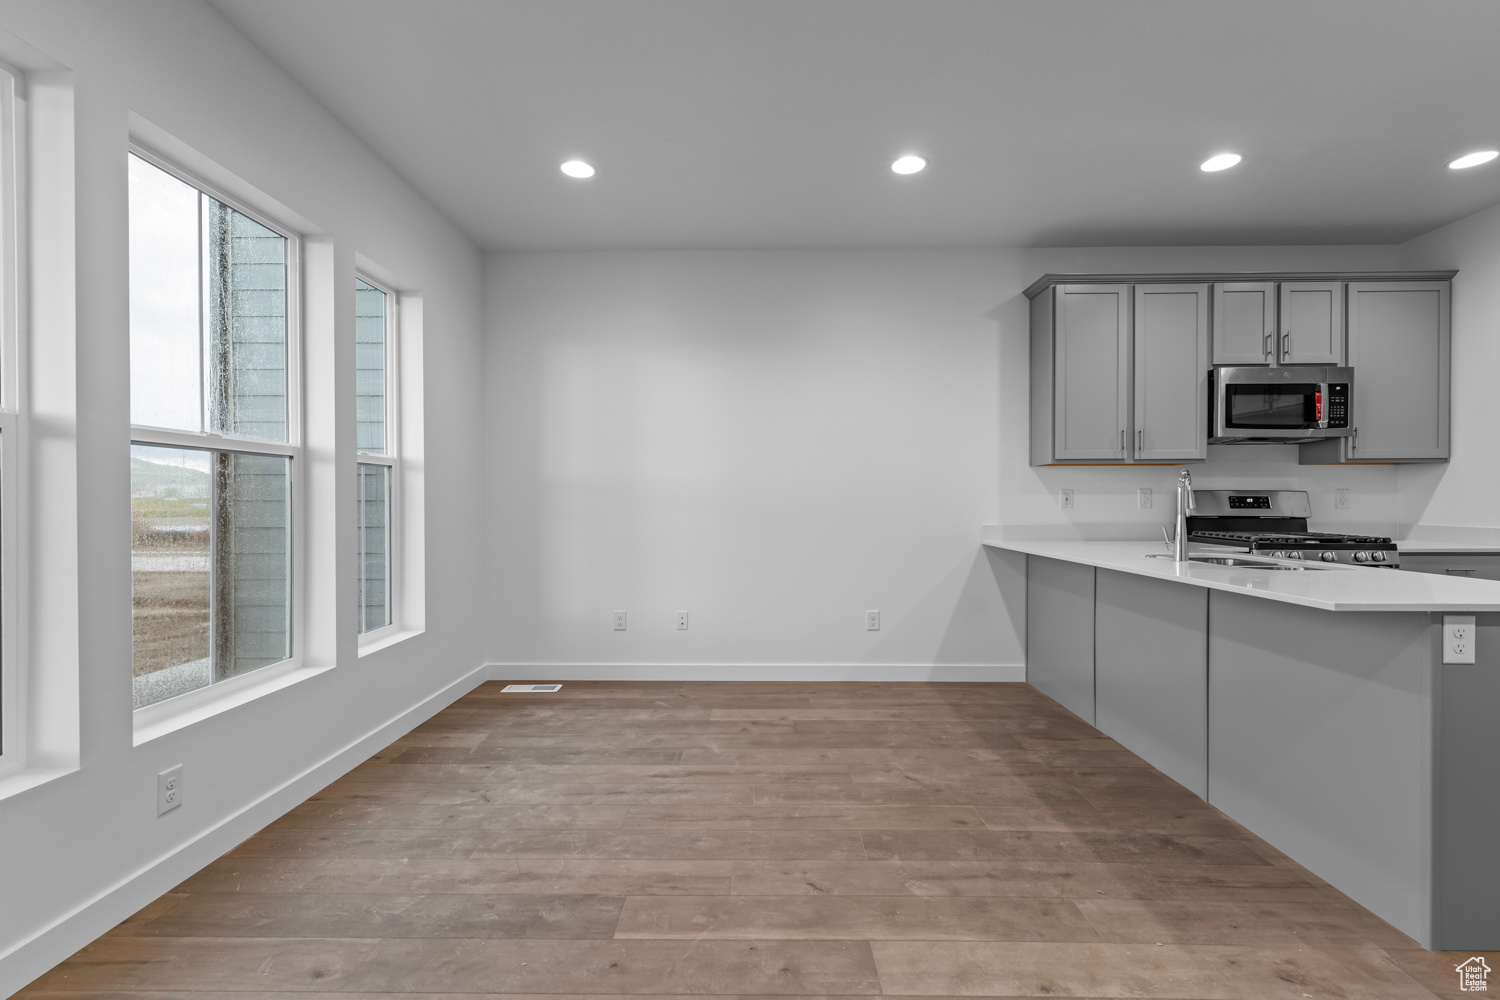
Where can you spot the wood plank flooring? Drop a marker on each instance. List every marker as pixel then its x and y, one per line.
pixel 747 840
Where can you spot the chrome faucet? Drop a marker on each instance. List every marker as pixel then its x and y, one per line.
pixel 1185 503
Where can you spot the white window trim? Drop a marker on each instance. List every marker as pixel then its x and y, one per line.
pixel 14 665
pixel 380 637
pixel 172 713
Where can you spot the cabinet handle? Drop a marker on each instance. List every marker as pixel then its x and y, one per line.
pixel 1354 441
pixel 1286 346
pixel 1122 440
pixel 1140 440
pixel 1266 347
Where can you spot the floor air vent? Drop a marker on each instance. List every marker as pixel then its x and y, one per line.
pixel 531 688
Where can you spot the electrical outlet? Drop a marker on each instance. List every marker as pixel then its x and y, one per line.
pixel 872 621
pixel 1143 498
pixel 168 790
pixel 1458 638
pixel 619 621
pixel 1065 499
pixel 1341 499
pixel 682 620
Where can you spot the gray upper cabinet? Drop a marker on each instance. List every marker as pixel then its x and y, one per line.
pixel 1170 363
pixel 1119 373
pixel 1080 374
pixel 1312 323
pixel 1399 349
pixel 1120 362
pixel 1245 323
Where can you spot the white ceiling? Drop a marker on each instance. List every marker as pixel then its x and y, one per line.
pixel 772 123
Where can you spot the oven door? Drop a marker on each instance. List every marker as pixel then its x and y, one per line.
pixel 1254 405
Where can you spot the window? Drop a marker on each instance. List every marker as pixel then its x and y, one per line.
pixel 11 423
pixel 374 340
pixel 215 444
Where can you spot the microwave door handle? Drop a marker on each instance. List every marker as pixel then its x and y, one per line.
pixel 1323 406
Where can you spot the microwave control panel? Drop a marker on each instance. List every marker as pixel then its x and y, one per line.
pixel 1338 404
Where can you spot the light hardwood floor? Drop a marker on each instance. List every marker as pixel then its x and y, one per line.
pixel 755 839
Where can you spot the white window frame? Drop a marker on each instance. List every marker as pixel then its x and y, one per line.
pixel 148 717
pixel 13 560
pixel 391 459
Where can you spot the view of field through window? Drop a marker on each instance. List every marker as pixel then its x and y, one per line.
pixel 169 563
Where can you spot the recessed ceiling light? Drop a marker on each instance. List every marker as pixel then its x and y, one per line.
pixel 577 169
pixel 1219 161
pixel 909 164
pixel 1474 159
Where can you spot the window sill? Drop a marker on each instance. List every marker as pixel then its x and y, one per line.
pixel 155 721
pixel 23 778
pixel 384 638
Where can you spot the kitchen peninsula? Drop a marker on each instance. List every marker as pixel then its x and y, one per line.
pixel 1309 703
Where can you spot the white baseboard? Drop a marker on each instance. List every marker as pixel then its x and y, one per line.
pixel 64 936
pixel 889 672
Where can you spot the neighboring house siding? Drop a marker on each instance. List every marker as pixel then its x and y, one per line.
pixel 369 367
pixel 248 338
pixel 255 562
pixel 248 325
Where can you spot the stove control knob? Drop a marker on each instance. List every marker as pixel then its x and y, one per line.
pixel 1361 556
pixel 1330 557
pixel 1294 555
pixel 1378 556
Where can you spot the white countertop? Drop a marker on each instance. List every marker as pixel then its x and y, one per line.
pixel 1335 588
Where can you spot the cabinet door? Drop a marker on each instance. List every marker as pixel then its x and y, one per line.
pixel 1245 323
pixel 1399 350
pixel 1474 566
pixel 1090 389
pixel 1171 372
pixel 1312 323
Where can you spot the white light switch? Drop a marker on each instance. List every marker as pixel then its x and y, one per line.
pixel 1458 638
pixel 1065 499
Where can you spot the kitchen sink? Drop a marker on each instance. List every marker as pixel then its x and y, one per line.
pixel 1244 562
pixel 1238 561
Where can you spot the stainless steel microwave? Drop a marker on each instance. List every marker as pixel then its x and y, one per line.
pixel 1258 405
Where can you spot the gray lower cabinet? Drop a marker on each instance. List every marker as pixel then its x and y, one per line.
pixel 1474 565
pixel 1151 672
pixel 1399 346
pixel 1060 633
pixel 1341 738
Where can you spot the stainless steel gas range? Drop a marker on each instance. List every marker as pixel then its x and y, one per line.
pixel 1274 523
